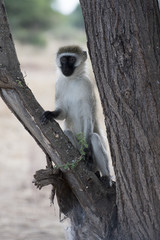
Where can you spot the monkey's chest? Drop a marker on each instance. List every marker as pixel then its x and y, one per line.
pixel 75 99
pixel 73 94
pixel 74 103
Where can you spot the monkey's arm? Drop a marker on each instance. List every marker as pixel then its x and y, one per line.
pixel 49 115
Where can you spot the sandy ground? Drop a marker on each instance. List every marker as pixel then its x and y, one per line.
pixel 25 212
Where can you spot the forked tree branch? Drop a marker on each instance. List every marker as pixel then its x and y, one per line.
pixel 85 185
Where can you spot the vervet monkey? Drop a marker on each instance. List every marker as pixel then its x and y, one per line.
pixel 76 104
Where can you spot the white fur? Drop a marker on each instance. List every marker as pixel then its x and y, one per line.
pixel 75 97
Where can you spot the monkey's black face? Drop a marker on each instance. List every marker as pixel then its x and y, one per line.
pixel 68 65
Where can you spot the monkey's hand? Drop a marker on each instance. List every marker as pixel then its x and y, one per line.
pixel 46 117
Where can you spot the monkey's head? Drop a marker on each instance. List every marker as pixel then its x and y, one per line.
pixel 69 58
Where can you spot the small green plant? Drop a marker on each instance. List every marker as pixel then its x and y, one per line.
pixel 69 165
pixel 83 145
pixel 19 83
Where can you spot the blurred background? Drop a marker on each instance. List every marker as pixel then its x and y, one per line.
pixel 39 28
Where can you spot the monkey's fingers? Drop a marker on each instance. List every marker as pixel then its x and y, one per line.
pixel 46 117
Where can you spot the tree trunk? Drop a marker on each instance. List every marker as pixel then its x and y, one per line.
pixel 123 41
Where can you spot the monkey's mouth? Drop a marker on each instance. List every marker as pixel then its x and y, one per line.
pixel 67 71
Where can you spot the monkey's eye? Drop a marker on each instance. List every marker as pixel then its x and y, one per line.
pixel 63 59
pixel 72 59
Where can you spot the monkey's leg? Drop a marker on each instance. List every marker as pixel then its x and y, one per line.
pixel 100 155
pixel 72 138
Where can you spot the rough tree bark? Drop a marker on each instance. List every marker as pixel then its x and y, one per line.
pixel 124 45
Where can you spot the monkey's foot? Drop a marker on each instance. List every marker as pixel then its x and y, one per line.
pixel 108 183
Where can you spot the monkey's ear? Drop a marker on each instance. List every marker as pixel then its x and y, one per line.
pixel 84 55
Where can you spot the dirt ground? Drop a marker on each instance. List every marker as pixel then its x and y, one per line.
pixel 25 212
